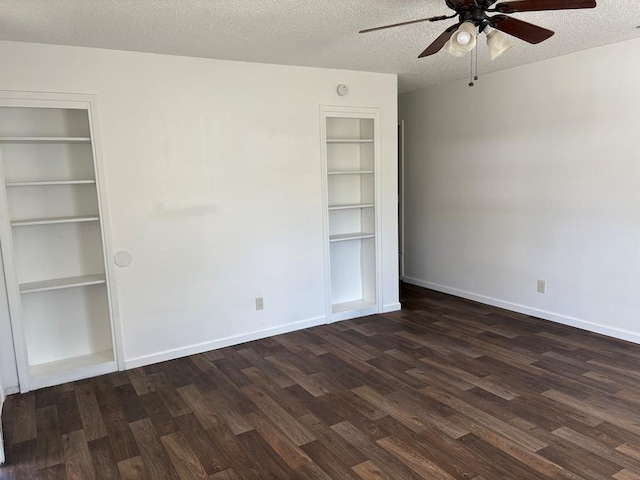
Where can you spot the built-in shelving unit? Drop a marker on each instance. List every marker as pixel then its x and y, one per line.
pixel 53 244
pixel 350 153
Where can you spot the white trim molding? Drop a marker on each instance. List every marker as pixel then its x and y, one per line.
pixel 618 333
pixel 172 354
pixel 2 395
pixel 391 307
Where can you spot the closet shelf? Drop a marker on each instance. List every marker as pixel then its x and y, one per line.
pixel 45 140
pixel 349 140
pixel 54 220
pixel 351 206
pixel 352 305
pixel 350 236
pixel 351 172
pixel 71 369
pixel 60 283
pixel 42 183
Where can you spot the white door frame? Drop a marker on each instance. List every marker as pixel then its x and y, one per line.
pixel 401 195
pixel 2 457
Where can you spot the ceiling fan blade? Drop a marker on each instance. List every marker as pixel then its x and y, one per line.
pixel 430 19
pixel 525 31
pixel 439 42
pixel 540 5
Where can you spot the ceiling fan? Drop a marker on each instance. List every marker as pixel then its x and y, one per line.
pixel 472 18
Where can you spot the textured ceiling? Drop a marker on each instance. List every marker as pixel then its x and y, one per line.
pixel 310 33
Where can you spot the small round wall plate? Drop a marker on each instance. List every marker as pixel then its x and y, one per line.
pixel 343 89
pixel 122 259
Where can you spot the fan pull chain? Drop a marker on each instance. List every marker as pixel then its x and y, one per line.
pixel 473 77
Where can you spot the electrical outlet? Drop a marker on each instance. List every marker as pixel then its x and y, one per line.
pixel 542 286
pixel 259 303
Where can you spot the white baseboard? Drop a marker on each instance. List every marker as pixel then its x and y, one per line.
pixel 221 343
pixel 391 307
pixel 11 390
pixel 535 312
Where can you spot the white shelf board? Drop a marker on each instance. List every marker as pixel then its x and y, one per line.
pixel 350 206
pixel 350 236
pixel 45 140
pixel 52 220
pixel 349 140
pixel 71 369
pixel 50 182
pixel 60 283
pixel 352 172
pixel 352 305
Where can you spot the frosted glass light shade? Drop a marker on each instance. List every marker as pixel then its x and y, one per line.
pixel 451 51
pixel 463 40
pixel 497 42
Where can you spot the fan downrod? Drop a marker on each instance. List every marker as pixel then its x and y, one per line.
pixel 484 4
pixel 474 11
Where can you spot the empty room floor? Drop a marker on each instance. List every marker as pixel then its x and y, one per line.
pixel 444 389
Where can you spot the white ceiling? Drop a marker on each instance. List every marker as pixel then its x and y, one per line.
pixel 321 33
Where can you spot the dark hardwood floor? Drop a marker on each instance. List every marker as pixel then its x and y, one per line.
pixel 445 389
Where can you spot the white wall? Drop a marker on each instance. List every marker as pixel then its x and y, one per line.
pixel 532 174
pixel 8 369
pixel 214 186
pixel 2 396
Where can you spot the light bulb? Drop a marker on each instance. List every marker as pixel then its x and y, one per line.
pixel 463 38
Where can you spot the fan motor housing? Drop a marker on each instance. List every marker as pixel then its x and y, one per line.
pixel 471 13
pixel 479 3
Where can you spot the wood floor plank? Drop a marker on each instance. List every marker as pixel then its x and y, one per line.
pixel 158 412
pixel 140 381
pixel 103 460
pixel 133 469
pixel 151 450
pixel 68 412
pixel 208 454
pixel 228 412
pixel 90 413
pixel 272 410
pixel 199 406
pixel 285 448
pixel 168 393
pixel 387 462
pixel 228 474
pixel 370 471
pixel 24 425
pixel 444 389
pixel 414 460
pixel 49 442
pixel 78 460
pixel 264 457
pixel 183 458
pixel 233 451
pixel 627 475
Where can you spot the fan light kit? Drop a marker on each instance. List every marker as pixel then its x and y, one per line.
pixel 461 37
